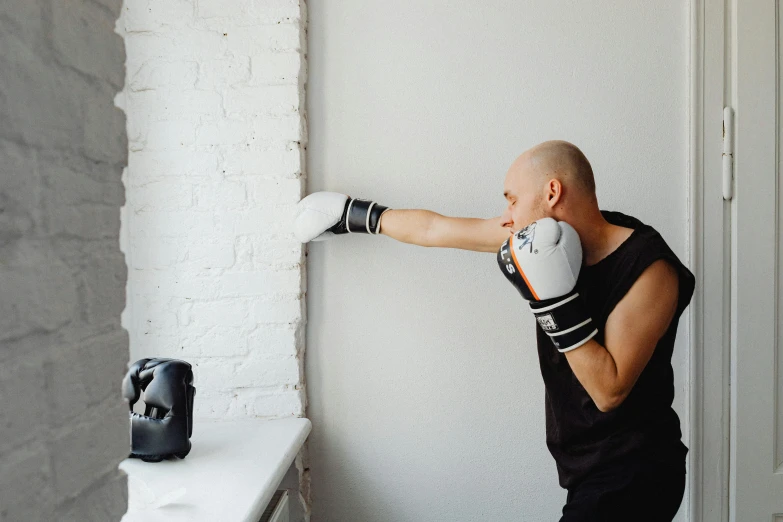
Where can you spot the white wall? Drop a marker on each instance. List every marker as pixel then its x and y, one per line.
pixel 423 380
pixel 63 422
pixel 216 128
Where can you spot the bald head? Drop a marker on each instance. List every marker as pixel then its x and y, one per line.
pixel 559 159
pixel 553 179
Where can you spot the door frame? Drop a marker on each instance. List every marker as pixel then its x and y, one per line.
pixel 709 256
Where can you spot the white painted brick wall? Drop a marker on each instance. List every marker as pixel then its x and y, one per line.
pixel 214 94
pixel 63 351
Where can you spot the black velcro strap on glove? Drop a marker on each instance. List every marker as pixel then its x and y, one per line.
pixel 364 216
pixel 360 216
pixel 565 320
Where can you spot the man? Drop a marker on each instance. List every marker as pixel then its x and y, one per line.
pixel 607 293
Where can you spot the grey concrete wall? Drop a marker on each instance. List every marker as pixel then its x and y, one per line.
pixel 63 146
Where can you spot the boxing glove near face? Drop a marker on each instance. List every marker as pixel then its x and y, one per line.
pixel 543 261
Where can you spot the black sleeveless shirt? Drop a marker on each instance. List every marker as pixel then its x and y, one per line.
pixel 644 428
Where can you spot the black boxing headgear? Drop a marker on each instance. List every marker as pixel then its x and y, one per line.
pixel 167 424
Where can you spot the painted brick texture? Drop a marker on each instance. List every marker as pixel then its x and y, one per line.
pixel 63 350
pixel 214 93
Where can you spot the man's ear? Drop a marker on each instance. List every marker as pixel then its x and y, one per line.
pixel 554 192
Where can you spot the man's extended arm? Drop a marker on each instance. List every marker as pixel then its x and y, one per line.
pixel 430 229
pixel 322 215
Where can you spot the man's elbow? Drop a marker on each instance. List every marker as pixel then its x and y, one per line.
pixel 610 401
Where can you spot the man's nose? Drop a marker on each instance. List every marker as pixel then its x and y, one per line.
pixel 506 220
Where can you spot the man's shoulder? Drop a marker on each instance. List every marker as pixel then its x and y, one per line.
pixel 622 219
pixel 648 247
pixel 646 237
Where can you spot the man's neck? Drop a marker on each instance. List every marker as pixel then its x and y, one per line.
pixel 599 237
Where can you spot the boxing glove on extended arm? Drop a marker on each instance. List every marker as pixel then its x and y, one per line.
pixel 543 261
pixel 322 215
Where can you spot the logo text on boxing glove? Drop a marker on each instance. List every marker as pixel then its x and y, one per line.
pixel 547 322
pixel 526 236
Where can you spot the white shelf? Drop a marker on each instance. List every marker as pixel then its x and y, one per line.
pixel 230 475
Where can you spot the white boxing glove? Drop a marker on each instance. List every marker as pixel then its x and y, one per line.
pixel 543 261
pixel 321 215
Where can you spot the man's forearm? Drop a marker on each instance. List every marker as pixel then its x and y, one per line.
pixel 430 229
pixel 408 225
pixel 596 370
